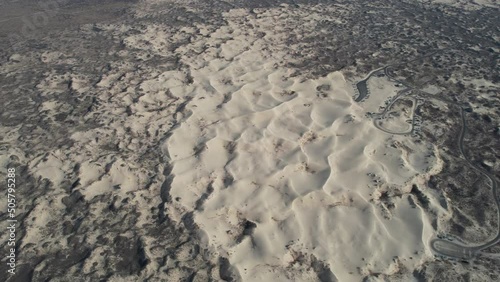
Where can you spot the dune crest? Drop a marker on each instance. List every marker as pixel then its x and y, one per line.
pixel 276 168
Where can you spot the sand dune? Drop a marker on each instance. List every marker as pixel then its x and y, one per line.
pixel 276 167
pixel 207 149
pixel 285 176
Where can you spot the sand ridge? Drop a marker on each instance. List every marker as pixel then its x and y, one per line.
pixel 273 166
pixel 208 128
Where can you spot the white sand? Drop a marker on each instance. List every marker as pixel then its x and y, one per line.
pixel 295 156
pixel 310 194
pixel 307 167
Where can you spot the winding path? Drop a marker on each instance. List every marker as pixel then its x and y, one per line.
pixel 363 87
pixel 452 249
pixel 438 245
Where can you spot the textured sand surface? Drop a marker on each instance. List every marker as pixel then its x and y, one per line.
pixel 198 152
pixel 275 167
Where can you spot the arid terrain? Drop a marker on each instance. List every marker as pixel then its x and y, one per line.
pixel 166 140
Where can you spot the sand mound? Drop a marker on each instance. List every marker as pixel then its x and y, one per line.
pixel 272 165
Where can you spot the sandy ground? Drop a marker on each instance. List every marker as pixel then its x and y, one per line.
pixel 282 175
